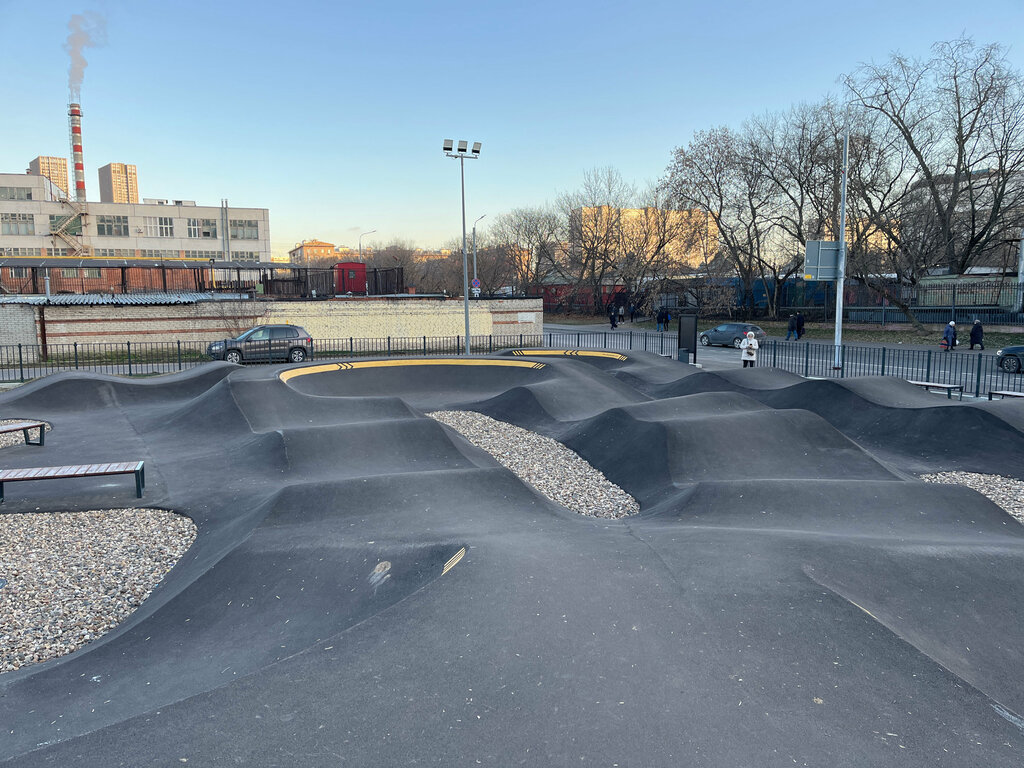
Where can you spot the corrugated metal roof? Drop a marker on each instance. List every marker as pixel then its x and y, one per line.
pixel 90 299
pixel 66 262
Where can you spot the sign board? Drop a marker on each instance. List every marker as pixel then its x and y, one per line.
pixel 821 260
pixel 475 283
pixel 687 336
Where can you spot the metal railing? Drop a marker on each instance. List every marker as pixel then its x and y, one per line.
pixel 977 373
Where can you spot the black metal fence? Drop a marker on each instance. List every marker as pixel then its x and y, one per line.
pixel 977 373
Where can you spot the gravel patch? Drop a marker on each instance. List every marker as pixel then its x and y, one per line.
pixel 17 438
pixel 73 576
pixel 1003 491
pixel 555 471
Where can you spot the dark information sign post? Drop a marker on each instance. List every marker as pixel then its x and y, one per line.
pixel 687 336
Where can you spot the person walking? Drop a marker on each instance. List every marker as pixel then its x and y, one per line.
pixel 622 313
pixel 791 328
pixel 949 336
pixel 612 317
pixel 632 313
pixel 799 325
pixel 977 335
pixel 661 319
pixel 748 350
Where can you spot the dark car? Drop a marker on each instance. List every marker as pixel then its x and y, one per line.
pixel 731 334
pixel 266 343
pixel 1011 359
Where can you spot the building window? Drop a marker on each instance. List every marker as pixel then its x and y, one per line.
pixel 22 252
pixel 218 255
pixel 69 273
pixel 19 271
pixel 159 254
pixel 92 273
pixel 74 228
pixel 245 256
pixel 17 224
pixel 112 226
pixel 159 226
pixel 57 252
pixel 113 253
pixel 205 228
pixel 244 229
pixel 15 193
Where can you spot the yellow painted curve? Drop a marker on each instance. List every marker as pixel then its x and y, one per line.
pixel 569 353
pixel 327 367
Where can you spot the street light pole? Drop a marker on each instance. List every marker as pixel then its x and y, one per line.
pixel 361 243
pixel 461 154
pixel 476 291
pixel 841 271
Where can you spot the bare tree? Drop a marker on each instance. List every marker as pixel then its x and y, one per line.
pixel 528 237
pixel 592 216
pixel 958 189
pixel 716 173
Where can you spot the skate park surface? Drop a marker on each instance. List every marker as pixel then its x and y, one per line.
pixel 368 588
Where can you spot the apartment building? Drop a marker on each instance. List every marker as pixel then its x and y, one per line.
pixel 119 183
pixel 53 168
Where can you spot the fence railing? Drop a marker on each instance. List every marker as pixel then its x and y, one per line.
pixel 977 373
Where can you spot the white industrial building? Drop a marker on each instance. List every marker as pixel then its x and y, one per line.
pixel 38 220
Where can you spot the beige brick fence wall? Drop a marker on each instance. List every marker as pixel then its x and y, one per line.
pixel 358 318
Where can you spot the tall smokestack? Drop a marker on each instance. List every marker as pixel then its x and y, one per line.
pixel 75 115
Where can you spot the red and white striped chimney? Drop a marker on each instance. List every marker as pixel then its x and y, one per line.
pixel 75 113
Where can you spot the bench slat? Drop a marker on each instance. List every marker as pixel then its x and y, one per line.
pixel 20 425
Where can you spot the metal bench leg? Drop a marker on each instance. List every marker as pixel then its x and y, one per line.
pixel 1 493
pixel 37 442
pixel 139 483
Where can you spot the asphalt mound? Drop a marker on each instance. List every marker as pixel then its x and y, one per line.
pixel 367 587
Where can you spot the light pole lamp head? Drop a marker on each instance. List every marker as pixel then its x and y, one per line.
pixel 448 145
pixel 476 148
pixel 463 146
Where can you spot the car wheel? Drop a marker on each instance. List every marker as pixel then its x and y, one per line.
pixel 705 341
pixel 736 342
pixel 297 355
pixel 1010 364
pixel 233 356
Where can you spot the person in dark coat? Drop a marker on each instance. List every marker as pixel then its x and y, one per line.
pixel 791 328
pixel 977 335
pixel 799 325
pixel 613 316
pixel 662 318
pixel 949 336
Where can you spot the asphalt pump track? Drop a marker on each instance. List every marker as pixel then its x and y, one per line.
pixel 368 588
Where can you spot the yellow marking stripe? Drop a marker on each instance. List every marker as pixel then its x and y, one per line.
pixel 454 561
pixel 569 353
pixel 869 613
pixel 294 372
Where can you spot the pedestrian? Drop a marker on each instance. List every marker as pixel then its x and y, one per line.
pixel 949 336
pixel 748 350
pixel 612 317
pixel 632 313
pixel 622 313
pixel 791 328
pixel 661 319
pixel 799 325
pixel 977 335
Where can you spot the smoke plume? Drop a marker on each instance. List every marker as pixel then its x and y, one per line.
pixel 85 30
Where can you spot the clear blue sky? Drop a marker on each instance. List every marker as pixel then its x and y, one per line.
pixel 332 114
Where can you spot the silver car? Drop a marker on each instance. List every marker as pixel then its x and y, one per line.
pixel 731 334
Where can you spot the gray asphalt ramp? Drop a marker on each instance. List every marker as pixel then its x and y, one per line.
pixel 368 588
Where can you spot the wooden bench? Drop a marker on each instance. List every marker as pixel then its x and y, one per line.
pixel 24 427
pixel 76 470
pixel 1005 393
pixel 949 388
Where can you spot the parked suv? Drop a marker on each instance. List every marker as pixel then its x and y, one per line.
pixel 731 334
pixel 265 342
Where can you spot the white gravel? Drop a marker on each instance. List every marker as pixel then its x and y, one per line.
pixel 17 438
pixel 554 470
pixel 73 576
pixel 1003 491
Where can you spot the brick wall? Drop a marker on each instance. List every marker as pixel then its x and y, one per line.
pixel 207 321
pixel 17 324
